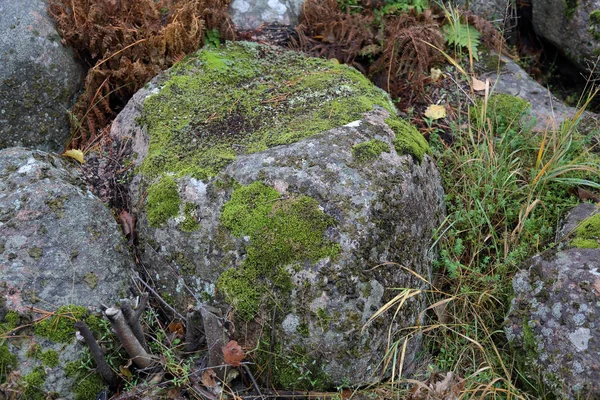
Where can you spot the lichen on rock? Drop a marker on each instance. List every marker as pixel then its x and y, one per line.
pixel 248 185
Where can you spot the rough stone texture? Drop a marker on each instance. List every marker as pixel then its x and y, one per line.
pixel 59 245
pixel 38 78
pixel 575 217
pixel 493 10
pixel 250 14
pixel 568 26
pixel 554 319
pixel 548 111
pixel 383 210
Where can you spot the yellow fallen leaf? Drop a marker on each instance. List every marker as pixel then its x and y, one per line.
pixel 435 112
pixel 478 85
pixel 74 154
pixel 436 74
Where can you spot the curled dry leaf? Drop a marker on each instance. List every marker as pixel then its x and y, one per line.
pixel 127 223
pixel 478 85
pixel 74 154
pixel 209 378
pixel 233 353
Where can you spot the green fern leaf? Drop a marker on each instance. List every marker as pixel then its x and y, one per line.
pixel 464 36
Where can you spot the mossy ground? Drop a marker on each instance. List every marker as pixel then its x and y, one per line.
pixel 239 99
pixel 60 326
pixel 587 235
pixel 408 139
pixel 503 111
pixel 281 231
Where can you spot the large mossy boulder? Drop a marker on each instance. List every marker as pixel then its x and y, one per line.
pixel 39 78
pixel 62 255
pixel 554 320
pixel 276 185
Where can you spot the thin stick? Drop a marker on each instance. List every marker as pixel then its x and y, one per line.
pixel 104 369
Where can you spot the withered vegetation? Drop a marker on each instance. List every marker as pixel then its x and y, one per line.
pixel 395 50
pixel 125 43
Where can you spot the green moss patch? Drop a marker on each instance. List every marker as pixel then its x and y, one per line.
pixel 240 99
pixel 408 139
pixel 60 327
pixel 281 231
pixel 33 384
pixel 163 201
pixel 502 110
pixel 587 235
pixel 594 24
pixel 368 151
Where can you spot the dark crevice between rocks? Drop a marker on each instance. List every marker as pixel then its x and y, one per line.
pixel 546 63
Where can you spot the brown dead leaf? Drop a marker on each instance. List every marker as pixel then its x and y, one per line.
pixel 127 223
pixel 174 393
pixel 176 327
pixel 209 378
pixel 233 353
pixel 587 195
pixel 478 85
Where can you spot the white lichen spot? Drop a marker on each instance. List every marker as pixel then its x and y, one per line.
pixel 27 167
pixel 580 338
pixel 579 319
pixel 577 368
pixel 290 324
pixel 354 124
pixel 195 190
pixel 557 310
pixel 268 160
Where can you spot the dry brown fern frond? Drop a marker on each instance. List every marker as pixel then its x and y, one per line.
pixel 407 53
pixel 126 43
pixel 325 31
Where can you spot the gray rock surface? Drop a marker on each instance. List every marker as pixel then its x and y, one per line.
pixel 493 10
pixel 549 112
pixel 554 319
pixel 59 244
pixel 250 14
pixel 370 212
pixel 38 78
pixel 568 26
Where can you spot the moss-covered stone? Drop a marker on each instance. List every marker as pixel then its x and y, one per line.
pixel 594 24
pixel 571 7
pixel 587 235
pixel 49 358
pixel 281 231
pixel 239 99
pixel 190 222
pixel 33 384
pixel 370 150
pixel 408 139
pixel 163 201
pixel 60 327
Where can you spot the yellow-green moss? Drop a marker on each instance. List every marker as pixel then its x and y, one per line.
pixel 281 231
pixel 587 235
pixel 33 384
pixel 49 358
pixel 594 24
pixel 60 327
pixel 571 7
pixel 243 98
pixel 163 201
pixel 368 151
pixel 297 370
pixel 190 222
pixel 88 386
pixel 503 111
pixel 408 139
pixel 8 361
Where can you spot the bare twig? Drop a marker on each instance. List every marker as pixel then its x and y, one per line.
pixel 128 339
pixel 103 368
